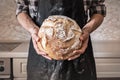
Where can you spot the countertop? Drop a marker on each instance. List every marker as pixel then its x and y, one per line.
pixel 102 49
pixel 21 51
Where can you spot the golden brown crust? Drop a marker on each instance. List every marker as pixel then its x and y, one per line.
pixel 59 37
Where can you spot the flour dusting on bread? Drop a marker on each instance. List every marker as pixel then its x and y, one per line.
pixel 60 36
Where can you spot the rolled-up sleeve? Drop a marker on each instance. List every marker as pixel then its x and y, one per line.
pixel 98 7
pixel 21 6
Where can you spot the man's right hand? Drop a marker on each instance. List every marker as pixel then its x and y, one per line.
pixel 26 22
pixel 35 39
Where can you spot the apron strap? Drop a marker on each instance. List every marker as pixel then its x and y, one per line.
pixel 71 8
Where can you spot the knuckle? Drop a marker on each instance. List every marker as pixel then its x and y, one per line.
pixel 82 51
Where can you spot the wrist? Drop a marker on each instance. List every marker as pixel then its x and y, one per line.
pixel 33 30
pixel 86 30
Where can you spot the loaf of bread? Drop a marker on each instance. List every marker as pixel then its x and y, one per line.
pixel 59 37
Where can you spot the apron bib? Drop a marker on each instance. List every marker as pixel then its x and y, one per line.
pixel 82 68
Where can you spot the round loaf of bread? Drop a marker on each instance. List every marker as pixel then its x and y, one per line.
pixel 59 37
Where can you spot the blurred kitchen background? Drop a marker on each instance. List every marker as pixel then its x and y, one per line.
pixel 106 42
pixel 11 30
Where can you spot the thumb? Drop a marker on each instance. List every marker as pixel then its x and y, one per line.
pixel 35 37
pixel 82 37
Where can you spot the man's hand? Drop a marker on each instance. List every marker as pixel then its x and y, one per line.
pixel 92 25
pixel 26 22
pixel 35 39
pixel 84 38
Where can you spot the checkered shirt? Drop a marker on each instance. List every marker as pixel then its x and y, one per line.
pixel 90 6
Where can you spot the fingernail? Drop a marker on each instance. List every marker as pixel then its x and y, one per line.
pixel 45 54
pixel 69 59
pixel 50 58
pixel 42 53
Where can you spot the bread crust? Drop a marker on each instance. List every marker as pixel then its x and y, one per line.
pixel 59 37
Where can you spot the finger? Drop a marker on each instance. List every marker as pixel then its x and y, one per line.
pixel 74 57
pixel 73 54
pixel 84 36
pixel 81 38
pixel 82 50
pixel 47 57
pixel 43 54
pixel 77 51
pixel 35 36
pixel 84 46
pixel 37 49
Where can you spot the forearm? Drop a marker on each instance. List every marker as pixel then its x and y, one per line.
pixel 93 23
pixel 27 22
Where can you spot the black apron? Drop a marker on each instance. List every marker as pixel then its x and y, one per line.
pixel 81 68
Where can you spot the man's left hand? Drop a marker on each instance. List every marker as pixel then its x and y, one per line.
pixel 84 39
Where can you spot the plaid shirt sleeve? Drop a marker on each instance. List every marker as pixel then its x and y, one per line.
pixel 98 7
pixel 21 6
